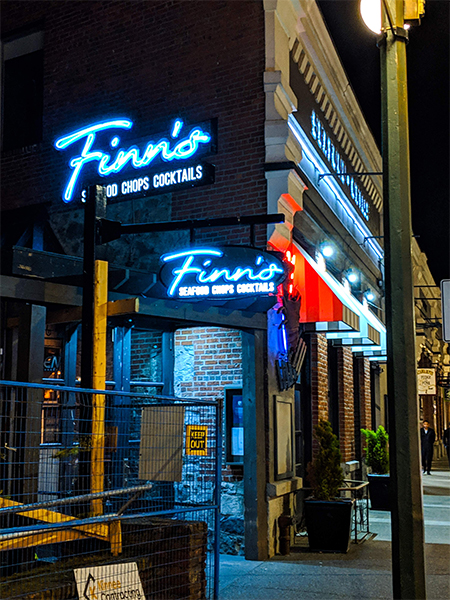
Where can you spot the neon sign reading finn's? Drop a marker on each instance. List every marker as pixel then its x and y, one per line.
pixel 182 149
pixel 196 272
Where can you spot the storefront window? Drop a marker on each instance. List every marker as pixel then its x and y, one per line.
pixel 52 370
pixel 23 91
pixel 234 425
pixel 146 360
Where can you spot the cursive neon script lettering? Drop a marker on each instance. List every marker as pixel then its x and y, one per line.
pixel 183 149
pixel 197 263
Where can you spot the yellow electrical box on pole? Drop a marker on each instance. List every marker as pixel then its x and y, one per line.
pixel 414 10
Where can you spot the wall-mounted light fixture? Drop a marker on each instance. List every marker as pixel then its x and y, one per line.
pixel 327 250
pixel 352 276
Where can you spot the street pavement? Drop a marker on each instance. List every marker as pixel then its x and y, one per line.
pixel 364 572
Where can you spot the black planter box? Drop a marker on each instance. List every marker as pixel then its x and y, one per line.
pixel 379 487
pixel 329 524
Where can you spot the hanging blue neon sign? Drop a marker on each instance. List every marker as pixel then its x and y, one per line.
pixel 231 272
pixel 175 149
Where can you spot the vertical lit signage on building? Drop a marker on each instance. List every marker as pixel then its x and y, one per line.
pixel 220 273
pixel 337 163
pixel 163 163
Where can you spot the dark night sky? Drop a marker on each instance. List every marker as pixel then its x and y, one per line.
pixel 428 86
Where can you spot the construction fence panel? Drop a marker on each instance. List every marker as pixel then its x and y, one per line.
pixel 108 495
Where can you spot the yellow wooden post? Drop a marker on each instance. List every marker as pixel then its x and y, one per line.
pixel 115 537
pixel 98 382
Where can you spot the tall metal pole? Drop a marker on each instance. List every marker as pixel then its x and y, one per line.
pixel 408 564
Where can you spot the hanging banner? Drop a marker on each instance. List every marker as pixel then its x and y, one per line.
pixel 426 381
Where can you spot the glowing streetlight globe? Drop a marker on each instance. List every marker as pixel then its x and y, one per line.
pixel 371 14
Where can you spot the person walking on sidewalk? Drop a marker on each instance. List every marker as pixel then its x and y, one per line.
pixel 447 442
pixel 427 438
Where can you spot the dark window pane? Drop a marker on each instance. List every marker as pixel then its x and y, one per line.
pixel 51 424
pixel 23 100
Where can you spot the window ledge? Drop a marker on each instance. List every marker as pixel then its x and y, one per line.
pixel 351 466
pixel 280 488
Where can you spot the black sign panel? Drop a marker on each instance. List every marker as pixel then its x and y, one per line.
pixel 159 181
pixel 218 274
pixel 105 153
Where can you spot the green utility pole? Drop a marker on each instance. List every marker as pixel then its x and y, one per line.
pixel 408 564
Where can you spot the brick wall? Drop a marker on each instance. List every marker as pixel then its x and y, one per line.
pixel 319 377
pixel 149 61
pixel 365 397
pixel 215 361
pixel 207 359
pixel 428 403
pixel 346 403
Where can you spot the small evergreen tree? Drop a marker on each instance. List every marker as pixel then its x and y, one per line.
pixel 377 452
pixel 325 472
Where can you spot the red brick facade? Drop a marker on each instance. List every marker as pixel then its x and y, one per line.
pixel 320 392
pixel 365 392
pixel 319 377
pixel 216 361
pixel 346 403
pixel 151 62
pixel 428 409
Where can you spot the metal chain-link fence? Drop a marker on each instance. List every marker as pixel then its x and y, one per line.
pixel 98 489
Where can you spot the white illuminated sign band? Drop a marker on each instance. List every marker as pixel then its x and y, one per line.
pixel 155 181
pixel 214 273
pixel 332 155
pixel 175 149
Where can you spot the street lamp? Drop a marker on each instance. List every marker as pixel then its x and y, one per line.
pixel 408 563
pixel 371 14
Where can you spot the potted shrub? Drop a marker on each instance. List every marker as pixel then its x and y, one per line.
pixel 377 458
pixel 328 517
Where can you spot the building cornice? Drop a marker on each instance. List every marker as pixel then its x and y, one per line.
pixel 297 27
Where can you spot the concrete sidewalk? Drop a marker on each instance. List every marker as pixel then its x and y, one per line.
pixel 365 572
